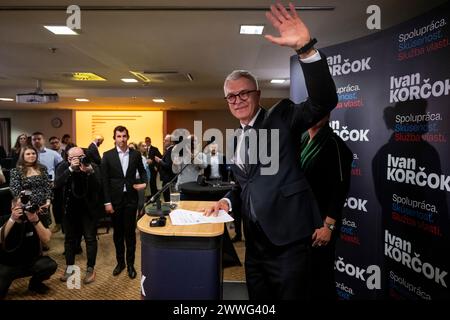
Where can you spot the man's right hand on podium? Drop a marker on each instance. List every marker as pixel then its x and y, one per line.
pixel 214 210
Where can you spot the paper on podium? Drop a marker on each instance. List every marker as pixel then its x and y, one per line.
pixel 182 217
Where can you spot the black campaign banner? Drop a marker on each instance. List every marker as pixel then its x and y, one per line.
pixel 393 112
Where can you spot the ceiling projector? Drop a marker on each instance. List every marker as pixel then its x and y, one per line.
pixel 37 97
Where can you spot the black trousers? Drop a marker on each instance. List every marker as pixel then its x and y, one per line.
pixel 39 270
pixel 153 187
pixel 58 206
pixel 79 222
pixel 276 272
pixel 324 285
pixel 124 224
pixel 237 223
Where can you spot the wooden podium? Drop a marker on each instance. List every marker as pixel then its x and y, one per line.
pixel 181 262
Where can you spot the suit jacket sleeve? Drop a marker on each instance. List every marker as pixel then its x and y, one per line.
pixel 234 195
pixel 322 97
pixel 105 178
pixel 95 156
pixel 61 175
pixel 166 161
pixel 141 169
pixel 157 153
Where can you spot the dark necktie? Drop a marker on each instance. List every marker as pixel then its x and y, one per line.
pixel 247 170
pixel 246 149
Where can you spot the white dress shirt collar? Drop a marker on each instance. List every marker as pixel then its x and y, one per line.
pixel 252 122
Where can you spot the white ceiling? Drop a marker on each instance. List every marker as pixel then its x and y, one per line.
pixel 204 43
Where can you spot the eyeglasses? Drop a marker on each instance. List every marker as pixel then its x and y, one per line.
pixel 243 95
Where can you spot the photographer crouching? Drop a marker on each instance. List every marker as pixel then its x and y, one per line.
pixel 21 256
pixel 80 181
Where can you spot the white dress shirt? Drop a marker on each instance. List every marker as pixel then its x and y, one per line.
pixel 124 158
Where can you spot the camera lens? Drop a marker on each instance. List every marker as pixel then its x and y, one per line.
pixel 85 161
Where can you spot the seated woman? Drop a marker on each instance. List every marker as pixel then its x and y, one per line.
pixel 32 177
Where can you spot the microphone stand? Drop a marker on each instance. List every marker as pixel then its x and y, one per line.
pixel 156 198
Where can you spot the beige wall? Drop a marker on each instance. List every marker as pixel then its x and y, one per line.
pixel 221 120
pixel 140 124
pixel 31 121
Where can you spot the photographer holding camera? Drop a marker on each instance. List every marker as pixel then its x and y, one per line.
pixel 80 182
pixel 21 256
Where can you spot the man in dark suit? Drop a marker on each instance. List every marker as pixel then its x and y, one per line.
pixel 152 152
pixel 79 182
pixel 279 210
pixel 93 149
pixel 165 165
pixel 120 186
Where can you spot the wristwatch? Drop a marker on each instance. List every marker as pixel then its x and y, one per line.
pixel 36 222
pixel 307 46
pixel 330 226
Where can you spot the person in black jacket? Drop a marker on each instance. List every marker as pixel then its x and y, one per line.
pixel 279 211
pixel 165 165
pixel 326 161
pixel 93 149
pixel 152 152
pixel 119 166
pixel 80 183
pixel 20 250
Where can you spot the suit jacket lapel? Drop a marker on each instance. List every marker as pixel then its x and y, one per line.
pixel 117 162
pixel 130 157
pixel 257 125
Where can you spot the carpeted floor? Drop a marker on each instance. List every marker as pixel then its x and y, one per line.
pixel 106 286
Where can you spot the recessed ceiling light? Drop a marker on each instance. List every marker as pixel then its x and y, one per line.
pixel 277 81
pixel 248 29
pixel 159 100
pixel 60 30
pixel 86 76
pixel 128 80
pixel 82 100
pixel 6 99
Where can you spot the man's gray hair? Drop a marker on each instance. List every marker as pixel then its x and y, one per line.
pixel 237 74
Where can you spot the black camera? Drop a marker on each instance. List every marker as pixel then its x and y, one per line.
pixel 85 160
pixel 158 222
pixel 25 199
